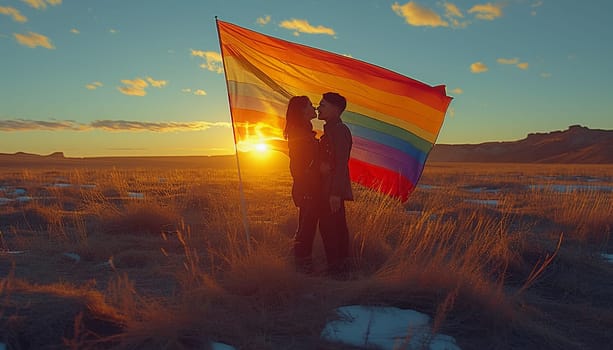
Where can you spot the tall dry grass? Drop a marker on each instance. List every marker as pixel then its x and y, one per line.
pixel 178 267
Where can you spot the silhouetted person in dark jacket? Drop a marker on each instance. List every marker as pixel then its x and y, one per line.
pixel 304 168
pixel 334 152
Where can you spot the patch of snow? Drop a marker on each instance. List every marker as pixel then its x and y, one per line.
pixel 385 328
pixel 608 257
pixel 492 202
pixel 219 346
pixel 571 188
pixel 12 252
pixel 88 186
pixel 136 195
pixel 61 185
pixel 23 199
pixel 483 190
pixel 19 192
pixel 427 187
pixel 74 256
pixel 4 200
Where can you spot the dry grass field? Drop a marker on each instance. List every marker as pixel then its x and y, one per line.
pixel 502 256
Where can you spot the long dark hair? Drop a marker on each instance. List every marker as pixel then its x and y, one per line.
pixel 294 117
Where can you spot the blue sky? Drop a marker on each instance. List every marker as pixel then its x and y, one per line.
pixel 142 77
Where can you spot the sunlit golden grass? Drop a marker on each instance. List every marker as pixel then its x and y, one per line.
pixel 168 252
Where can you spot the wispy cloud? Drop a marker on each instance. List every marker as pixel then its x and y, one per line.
pixel 29 125
pixel 546 75
pixel 452 10
pixel 126 125
pixel 157 83
pixel 419 16
pixel 113 31
pixel 534 6
pixel 14 13
pixel 303 26
pixel 457 91
pixel 197 92
pixel 454 16
pixel 75 31
pixel 523 65
pixel 487 11
pixel 94 85
pixel 16 125
pixel 478 67
pixel 42 4
pixel 33 40
pixel 212 60
pixel 263 20
pixel 513 61
pixel 137 86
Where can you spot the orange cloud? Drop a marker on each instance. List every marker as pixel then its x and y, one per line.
pixel 487 11
pixel 93 86
pixel 452 10
pixel 457 91
pixel 33 40
pixel 127 125
pixel 508 60
pixel 199 92
pixel 134 87
pixel 212 60
pixel 419 16
pixel 478 67
pixel 513 61
pixel 14 13
pixel 263 20
pixel 108 125
pixel 157 83
pixel 42 4
pixel 27 125
pixel 303 26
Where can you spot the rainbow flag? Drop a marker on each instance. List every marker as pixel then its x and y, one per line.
pixel 394 120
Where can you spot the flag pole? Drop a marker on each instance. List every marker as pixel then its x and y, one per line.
pixel 243 202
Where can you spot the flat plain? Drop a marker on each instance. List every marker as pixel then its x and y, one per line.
pixel 158 253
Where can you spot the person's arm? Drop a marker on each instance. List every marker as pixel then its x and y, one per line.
pixel 341 143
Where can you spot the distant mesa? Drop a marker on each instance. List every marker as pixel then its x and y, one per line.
pixel 54 155
pixel 578 144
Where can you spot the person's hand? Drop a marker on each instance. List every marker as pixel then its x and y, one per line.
pixel 335 203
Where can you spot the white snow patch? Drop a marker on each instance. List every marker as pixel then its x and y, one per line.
pixel 492 202
pixel 218 346
pixel 136 195
pixel 608 257
pixel 385 328
pixel 23 199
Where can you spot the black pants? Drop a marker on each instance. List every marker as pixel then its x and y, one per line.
pixel 335 236
pixel 305 235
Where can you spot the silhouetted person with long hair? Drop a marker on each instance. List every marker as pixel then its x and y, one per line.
pixel 335 149
pixel 304 168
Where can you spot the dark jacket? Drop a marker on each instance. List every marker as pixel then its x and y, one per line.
pixel 335 150
pixel 303 165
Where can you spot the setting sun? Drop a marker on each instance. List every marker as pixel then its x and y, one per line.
pixel 261 147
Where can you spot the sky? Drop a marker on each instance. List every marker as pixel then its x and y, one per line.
pixel 145 78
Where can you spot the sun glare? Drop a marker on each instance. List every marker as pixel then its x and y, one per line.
pixel 261 147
